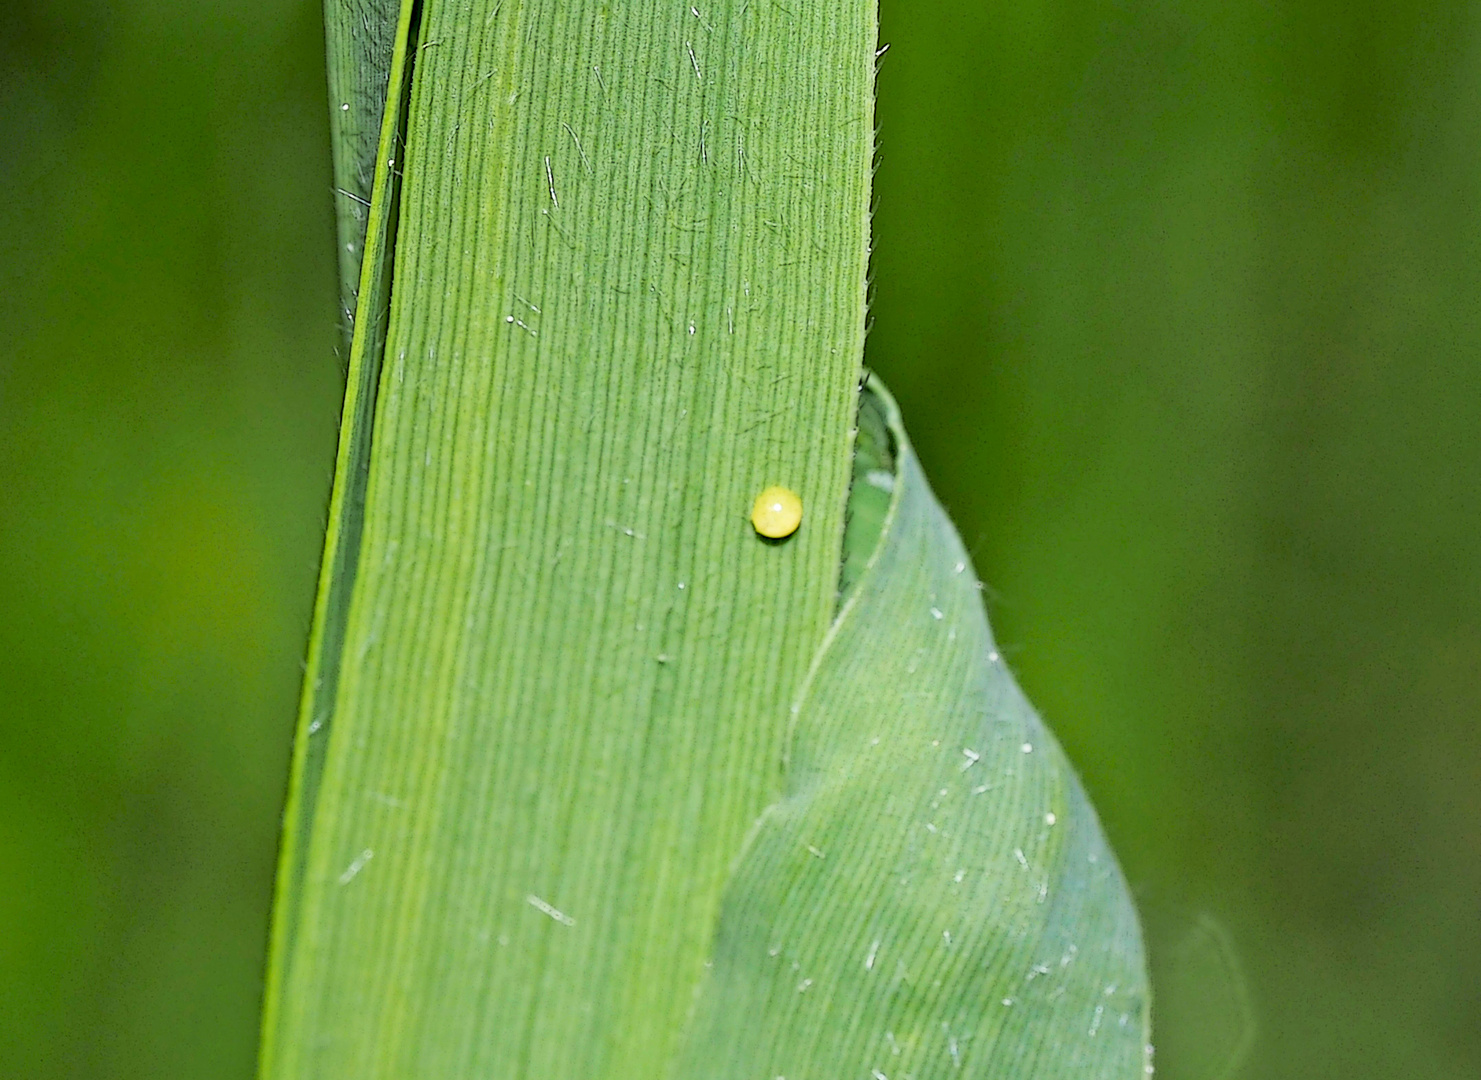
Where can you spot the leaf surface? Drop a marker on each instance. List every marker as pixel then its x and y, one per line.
pixel 342 542
pixel 549 684
pixel 360 41
pixel 933 895
pixel 544 820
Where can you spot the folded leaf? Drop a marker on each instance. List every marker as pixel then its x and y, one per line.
pixel 544 822
pixel 360 42
pixel 933 893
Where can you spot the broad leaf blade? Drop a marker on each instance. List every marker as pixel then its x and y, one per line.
pixel 933 893
pixel 550 685
pixel 628 293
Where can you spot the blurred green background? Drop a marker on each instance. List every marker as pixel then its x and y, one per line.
pixel 1181 302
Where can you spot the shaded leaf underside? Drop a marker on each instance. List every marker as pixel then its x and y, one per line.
pixel 360 38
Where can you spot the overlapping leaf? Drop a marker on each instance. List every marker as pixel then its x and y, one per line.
pixel 360 41
pixel 932 896
pixel 543 820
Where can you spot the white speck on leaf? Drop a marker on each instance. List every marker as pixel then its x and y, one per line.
pixel 542 906
pixel 356 866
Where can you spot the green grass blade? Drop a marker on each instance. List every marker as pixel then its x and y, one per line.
pixel 628 293
pixel 933 895
pixel 342 545
pixel 552 679
pixel 360 42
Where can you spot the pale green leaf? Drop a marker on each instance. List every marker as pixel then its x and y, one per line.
pixel 932 896
pixel 613 286
pixel 627 293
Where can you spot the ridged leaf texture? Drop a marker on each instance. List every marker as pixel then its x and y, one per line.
pixel 591 781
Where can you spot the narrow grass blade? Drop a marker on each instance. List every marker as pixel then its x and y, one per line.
pixel 360 41
pixel 342 545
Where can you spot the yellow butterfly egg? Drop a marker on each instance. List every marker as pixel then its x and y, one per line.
pixel 777 513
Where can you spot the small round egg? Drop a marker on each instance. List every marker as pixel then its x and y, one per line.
pixel 777 512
